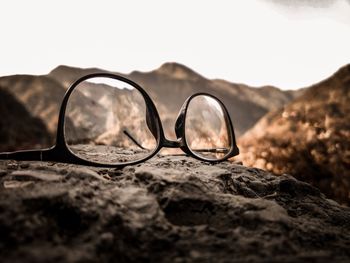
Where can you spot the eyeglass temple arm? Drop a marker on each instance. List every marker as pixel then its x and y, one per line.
pixel 25 155
pixel 150 124
pixel 127 133
pixel 213 150
pixel 216 150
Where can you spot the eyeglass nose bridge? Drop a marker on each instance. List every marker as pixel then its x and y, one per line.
pixel 172 144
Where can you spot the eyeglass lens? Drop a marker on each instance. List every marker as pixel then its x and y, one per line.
pixel 105 122
pixel 206 130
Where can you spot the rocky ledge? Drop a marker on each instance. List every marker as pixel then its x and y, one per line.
pixel 168 209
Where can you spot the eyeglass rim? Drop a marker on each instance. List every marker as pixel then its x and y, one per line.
pixel 60 152
pixel 180 129
pixel 150 107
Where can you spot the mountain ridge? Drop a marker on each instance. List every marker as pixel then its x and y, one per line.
pixel 33 131
pixel 246 104
pixel 171 83
pixel 177 70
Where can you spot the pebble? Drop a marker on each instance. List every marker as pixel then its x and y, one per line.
pixel 106 239
pixel 24 165
pixel 12 166
pixel 35 175
pixel 16 184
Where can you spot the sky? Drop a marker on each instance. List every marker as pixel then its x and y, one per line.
pixel 285 43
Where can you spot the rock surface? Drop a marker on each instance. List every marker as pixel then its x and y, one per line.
pixel 168 209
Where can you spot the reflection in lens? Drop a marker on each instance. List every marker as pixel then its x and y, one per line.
pixel 206 130
pixel 105 122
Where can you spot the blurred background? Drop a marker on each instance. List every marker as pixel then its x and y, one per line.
pixel 280 67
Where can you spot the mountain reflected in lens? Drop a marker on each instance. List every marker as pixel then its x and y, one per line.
pixel 105 122
pixel 206 130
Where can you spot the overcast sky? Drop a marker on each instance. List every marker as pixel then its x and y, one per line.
pixel 257 42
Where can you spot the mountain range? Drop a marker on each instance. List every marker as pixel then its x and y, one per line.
pixel 18 128
pixel 168 86
pixel 172 83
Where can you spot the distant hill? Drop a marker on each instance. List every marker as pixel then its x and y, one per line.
pixel 18 128
pixel 172 83
pixel 40 95
pixel 308 138
pixel 41 98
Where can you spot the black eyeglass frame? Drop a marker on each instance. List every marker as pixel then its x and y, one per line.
pixel 60 152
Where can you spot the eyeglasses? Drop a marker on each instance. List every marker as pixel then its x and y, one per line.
pixel 107 120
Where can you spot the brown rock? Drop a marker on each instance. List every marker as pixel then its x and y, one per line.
pixel 169 209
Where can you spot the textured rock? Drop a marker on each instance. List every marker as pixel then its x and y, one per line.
pixel 168 209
